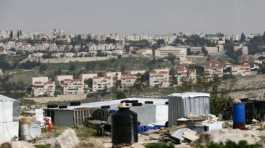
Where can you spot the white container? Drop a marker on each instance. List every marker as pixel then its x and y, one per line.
pixel 25 132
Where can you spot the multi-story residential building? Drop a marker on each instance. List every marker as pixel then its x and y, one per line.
pixel 41 86
pixel 102 83
pixel 128 80
pixel 242 69
pixel 179 52
pixel 87 76
pixel 213 68
pixel 214 50
pixel 183 73
pixel 72 87
pixel 159 78
pixel 193 75
pixel 136 72
pixel 61 78
pixel 114 75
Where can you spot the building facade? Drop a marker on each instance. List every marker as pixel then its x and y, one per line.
pixel 159 78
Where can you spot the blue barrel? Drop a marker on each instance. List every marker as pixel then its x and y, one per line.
pixel 239 115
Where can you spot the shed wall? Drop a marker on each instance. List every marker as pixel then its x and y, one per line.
pixel 8 130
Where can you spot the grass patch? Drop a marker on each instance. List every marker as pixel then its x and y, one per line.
pixel 43 146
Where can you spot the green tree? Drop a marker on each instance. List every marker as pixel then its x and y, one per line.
pixel 120 95
pixel 43 68
pixel 89 83
pixel 218 104
pixel 172 58
pixel 159 145
pixel 72 67
pixel 243 37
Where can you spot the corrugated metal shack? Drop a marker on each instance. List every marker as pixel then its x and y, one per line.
pixel 185 105
pixel 255 109
pixel 9 113
pixel 76 115
pixel 68 117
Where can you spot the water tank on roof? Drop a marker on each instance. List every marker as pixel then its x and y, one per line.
pixel 137 104
pixel 148 102
pixel 239 115
pixel 75 103
pixel 52 106
pixel 105 107
pixel 124 127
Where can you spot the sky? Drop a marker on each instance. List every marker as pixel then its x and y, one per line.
pixel 134 16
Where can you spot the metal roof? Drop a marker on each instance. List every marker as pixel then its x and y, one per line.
pixel 6 99
pixel 115 103
pixel 190 94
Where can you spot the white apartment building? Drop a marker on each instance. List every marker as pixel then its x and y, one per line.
pixel 179 52
pixel 72 87
pixel 242 69
pixel 128 80
pixel 88 76
pixel 61 78
pixel 159 78
pixel 135 72
pixel 41 86
pixel 214 50
pixel 214 68
pixel 114 75
pixel 102 83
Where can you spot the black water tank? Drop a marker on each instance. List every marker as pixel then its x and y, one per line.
pixel 148 102
pixel 75 103
pixel 124 127
pixel 105 107
pixel 125 101
pixel 63 106
pixel 137 104
pixel 52 106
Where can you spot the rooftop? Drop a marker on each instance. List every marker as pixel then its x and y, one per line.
pixel 6 99
pixel 190 94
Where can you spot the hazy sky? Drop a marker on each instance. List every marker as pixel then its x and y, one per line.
pixel 139 16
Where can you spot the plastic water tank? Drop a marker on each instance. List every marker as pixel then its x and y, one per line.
pixel 124 127
pixel 239 115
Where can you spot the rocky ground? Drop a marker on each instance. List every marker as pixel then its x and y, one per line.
pixel 251 86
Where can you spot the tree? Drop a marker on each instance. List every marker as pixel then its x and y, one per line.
pixel 263 36
pixel 43 68
pixel 120 95
pixel 89 83
pixel 109 40
pixel 205 52
pixel 11 35
pixel 172 58
pixel 72 67
pixel 243 37
pixel 218 104
pixel 229 51
pixel 141 81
